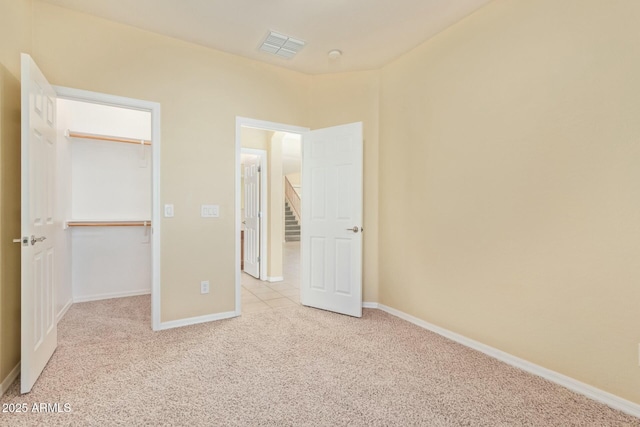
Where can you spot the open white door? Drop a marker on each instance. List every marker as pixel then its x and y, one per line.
pixel 252 217
pixel 38 329
pixel 331 243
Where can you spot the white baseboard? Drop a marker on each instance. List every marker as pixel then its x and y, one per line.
pixel 275 279
pixel 6 383
pixel 98 297
pixel 591 392
pixel 195 320
pixel 64 310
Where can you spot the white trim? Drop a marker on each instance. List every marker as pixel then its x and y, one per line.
pixel 264 198
pixel 587 390
pixel 370 305
pixel 259 124
pixel 154 109
pixel 99 297
pixel 156 218
pixel 103 98
pixel 6 383
pixel 266 125
pixel 195 320
pixel 275 279
pixel 64 310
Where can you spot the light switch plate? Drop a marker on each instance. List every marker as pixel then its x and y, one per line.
pixel 168 211
pixel 210 211
pixel 204 287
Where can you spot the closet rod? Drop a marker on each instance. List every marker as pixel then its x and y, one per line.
pixel 108 223
pixel 74 134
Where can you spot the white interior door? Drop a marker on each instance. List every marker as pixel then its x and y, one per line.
pixel 331 247
pixel 38 329
pixel 252 217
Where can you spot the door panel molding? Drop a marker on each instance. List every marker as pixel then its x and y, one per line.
pixel 264 256
pixel 255 257
pixel 332 217
pixel 38 334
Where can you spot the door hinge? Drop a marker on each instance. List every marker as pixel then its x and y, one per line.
pixel 258 259
pixel 259 169
pixel 259 214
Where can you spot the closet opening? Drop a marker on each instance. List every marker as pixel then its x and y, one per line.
pixel 108 187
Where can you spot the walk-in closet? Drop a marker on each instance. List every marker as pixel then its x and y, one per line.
pixel 104 183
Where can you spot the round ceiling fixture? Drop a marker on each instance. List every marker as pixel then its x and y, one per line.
pixel 335 54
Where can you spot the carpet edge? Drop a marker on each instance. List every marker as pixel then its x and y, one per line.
pixel 594 393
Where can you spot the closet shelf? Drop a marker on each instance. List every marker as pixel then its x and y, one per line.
pixel 73 134
pixel 108 223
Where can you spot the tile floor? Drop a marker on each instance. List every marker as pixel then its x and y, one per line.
pixel 258 295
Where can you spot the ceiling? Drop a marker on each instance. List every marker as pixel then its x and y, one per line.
pixel 370 33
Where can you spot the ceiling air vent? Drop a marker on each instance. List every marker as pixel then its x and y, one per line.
pixel 281 45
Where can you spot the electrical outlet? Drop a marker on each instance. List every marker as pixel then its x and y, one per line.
pixel 204 287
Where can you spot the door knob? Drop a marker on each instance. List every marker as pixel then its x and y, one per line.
pixel 35 239
pixel 354 229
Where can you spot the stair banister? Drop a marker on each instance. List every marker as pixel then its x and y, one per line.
pixel 292 197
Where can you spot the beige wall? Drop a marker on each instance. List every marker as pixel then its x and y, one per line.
pixel 257 139
pixel 294 179
pixel 201 91
pixel 15 37
pixel 275 205
pixel 15 33
pixel 509 173
pixel 354 97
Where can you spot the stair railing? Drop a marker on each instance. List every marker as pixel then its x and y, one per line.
pixel 292 197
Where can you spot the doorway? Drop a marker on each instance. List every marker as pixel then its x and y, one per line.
pixel 123 136
pixel 279 148
pixel 330 267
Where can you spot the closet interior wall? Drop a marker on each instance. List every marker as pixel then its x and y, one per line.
pixel 103 182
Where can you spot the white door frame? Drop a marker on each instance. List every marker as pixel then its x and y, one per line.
pixel 270 126
pixel 154 109
pixel 263 207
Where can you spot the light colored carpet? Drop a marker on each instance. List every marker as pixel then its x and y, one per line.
pixel 288 367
